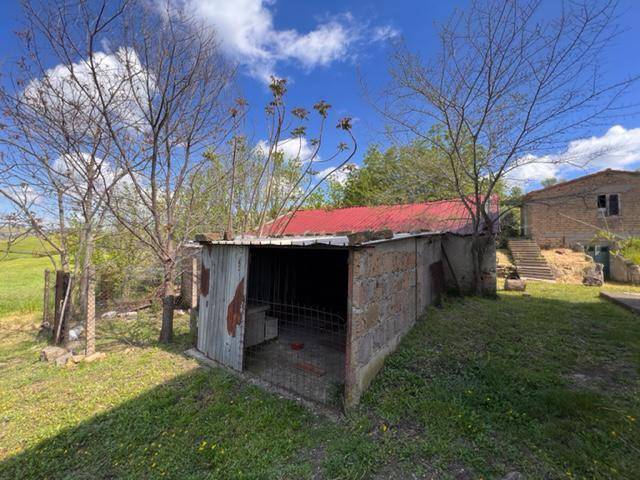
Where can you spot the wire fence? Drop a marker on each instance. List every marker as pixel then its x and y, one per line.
pixel 299 348
pixel 75 304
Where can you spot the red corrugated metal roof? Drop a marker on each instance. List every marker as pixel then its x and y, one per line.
pixel 440 216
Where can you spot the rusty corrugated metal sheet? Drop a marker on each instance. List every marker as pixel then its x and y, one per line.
pixel 234 309
pixel 442 216
pixel 222 303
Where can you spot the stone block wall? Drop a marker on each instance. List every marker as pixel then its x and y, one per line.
pixel 388 291
pixel 623 270
pixel 566 214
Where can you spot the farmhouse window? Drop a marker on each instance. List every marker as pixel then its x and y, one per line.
pixel 609 204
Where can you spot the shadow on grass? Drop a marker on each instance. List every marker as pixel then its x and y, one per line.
pixel 530 384
pixel 143 331
pixel 203 424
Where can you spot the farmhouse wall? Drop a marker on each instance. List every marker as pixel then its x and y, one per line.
pixel 566 214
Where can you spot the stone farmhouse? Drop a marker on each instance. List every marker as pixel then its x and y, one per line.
pixel 575 211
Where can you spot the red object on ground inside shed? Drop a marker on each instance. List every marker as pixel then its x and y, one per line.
pixel 297 346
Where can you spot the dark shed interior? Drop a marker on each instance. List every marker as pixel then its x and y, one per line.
pixel 295 332
pixel 313 277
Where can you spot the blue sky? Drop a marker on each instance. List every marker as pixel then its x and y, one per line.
pixel 323 48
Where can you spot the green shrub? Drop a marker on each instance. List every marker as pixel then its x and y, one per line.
pixel 631 250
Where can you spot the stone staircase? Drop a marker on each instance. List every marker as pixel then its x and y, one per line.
pixel 529 261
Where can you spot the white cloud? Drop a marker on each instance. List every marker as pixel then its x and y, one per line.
pixel 383 33
pixel 618 148
pixel 72 170
pixel 247 32
pixel 531 170
pixel 23 194
pixel 121 78
pixel 292 149
pixel 340 175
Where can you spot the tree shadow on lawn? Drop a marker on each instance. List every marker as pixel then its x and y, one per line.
pixel 142 331
pixel 481 385
pixel 203 424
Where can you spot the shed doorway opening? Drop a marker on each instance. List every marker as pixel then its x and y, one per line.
pixel 295 329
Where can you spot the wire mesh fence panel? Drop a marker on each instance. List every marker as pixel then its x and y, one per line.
pixel 125 291
pixel 127 304
pixel 299 348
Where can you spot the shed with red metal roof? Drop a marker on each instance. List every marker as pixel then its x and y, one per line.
pixel 314 304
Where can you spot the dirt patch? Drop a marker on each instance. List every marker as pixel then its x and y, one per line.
pixel 567 265
pixel 315 456
pixel 613 377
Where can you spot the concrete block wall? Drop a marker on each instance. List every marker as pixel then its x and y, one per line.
pixel 458 265
pixel 567 214
pixel 429 252
pixel 190 260
pixel 388 291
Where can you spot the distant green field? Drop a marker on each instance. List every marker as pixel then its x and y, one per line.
pixel 22 276
pixel 24 248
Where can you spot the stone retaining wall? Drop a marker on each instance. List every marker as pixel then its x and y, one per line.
pixel 623 270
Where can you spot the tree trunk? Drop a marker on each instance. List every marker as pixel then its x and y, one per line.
pixel 168 304
pixel 166 331
pixel 64 255
pixel 478 250
pixel 476 286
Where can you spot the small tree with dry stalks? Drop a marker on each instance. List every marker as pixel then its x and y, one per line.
pixel 285 166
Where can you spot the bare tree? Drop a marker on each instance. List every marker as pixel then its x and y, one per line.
pixel 154 86
pixel 57 154
pixel 507 87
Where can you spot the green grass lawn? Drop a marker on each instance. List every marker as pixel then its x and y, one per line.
pixel 547 385
pixel 22 276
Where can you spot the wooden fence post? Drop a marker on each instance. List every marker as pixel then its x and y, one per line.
pixel 62 306
pixel 46 314
pixel 90 320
